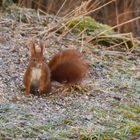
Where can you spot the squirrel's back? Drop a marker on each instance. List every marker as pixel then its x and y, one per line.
pixel 68 66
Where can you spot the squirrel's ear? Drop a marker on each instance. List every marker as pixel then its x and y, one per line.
pixel 32 47
pixel 42 46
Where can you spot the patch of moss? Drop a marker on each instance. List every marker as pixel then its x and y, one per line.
pixel 93 28
pixel 107 134
pixel 79 24
pixel 128 114
pixel 63 134
pixel 40 128
pixel 131 110
pixel 136 109
pixel 85 137
pixel 68 122
pixel 11 132
pixel 68 134
pixel 30 134
pixel 99 112
pixel 90 25
pixel 135 130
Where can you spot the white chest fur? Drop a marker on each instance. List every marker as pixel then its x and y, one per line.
pixel 36 74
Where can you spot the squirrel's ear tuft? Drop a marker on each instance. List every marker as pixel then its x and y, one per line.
pixel 42 46
pixel 33 51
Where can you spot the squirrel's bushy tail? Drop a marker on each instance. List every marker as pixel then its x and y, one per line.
pixel 68 67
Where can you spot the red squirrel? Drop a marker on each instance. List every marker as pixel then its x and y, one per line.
pixel 66 67
pixel 37 74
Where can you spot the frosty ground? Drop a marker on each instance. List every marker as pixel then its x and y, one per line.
pixel 106 105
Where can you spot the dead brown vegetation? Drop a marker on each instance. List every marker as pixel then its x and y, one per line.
pixel 116 12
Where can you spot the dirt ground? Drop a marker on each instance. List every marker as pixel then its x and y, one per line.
pixel 105 106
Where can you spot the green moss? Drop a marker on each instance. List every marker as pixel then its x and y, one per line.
pixel 90 25
pixel 99 112
pixel 30 134
pixel 70 134
pixel 11 132
pixel 135 130
pixel 128 114
pixel 85 137
pixel 136 109
pixel 63 134
pixel 131 110
pixel 80 24
pixel 68 122
pixel 107 134
pixel 103 34
pixel 45 127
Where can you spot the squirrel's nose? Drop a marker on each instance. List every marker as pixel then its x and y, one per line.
pixel 39 65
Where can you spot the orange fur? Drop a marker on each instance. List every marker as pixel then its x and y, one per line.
pixel 38 72
pixel 68 67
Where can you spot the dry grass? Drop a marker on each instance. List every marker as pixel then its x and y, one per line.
pixel 86 8
pixel 108 102
pixel 81 12
pixel 102 10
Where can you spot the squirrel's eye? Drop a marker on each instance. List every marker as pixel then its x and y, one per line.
pixel 34 60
